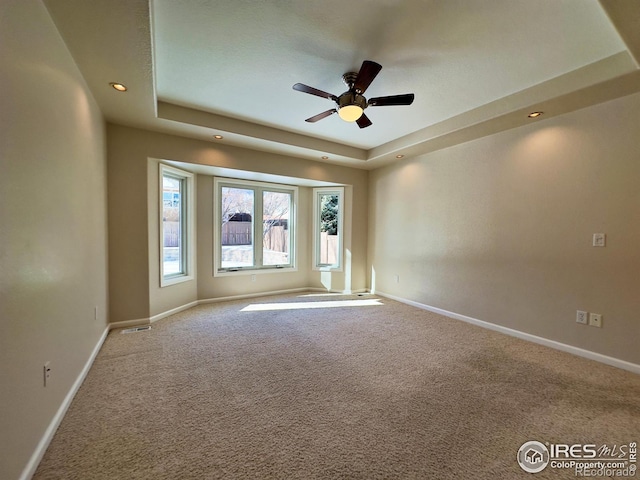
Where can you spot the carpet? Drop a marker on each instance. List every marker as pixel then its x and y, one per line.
pixel 313 386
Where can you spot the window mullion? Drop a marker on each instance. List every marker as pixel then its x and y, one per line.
pixel 257 228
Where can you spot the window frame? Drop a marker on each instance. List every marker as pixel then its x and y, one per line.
pixel 317 192
pixel 187 225
pixel 257 227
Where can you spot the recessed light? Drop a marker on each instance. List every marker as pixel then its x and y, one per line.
pixel 535 114
pixel 118 86
pixel 399 156
pixel 324 157
pixel 218 137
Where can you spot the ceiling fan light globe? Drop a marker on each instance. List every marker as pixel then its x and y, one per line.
pixel 350 113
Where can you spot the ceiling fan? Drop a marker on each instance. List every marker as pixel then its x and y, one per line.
pixel 351 104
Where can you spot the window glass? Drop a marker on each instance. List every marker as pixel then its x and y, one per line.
pixel 176 225
pixel 276 209
pixel 237 239
pixel 328 229
pixel 172 219
pixel 328 208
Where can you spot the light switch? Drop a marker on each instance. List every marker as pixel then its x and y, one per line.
pixel 599 239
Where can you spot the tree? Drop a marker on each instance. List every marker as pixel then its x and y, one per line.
pixel 235 200
pixel 329 214
pixel 275 206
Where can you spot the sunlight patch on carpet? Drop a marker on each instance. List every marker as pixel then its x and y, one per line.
pixel 257 307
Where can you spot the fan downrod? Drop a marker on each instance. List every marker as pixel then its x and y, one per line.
pixel 349 79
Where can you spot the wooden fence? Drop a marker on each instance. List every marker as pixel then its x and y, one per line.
pixel 239 233
pixel 171 232
pixel 277 239
pixel 236 233
pixel 328 249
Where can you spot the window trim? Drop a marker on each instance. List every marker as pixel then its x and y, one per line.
pixel 338 267
pixel 258 226
pixel 187 228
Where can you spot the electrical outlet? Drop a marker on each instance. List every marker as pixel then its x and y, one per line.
pixel 581 317
pixel 253 278
pixel 46 370
pixel 396 278
pixel 595 320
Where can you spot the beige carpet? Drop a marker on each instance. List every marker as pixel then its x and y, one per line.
pixel 341 392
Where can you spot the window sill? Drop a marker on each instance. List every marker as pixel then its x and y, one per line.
pixel 168 281
pixel 327 268
pixel 252 271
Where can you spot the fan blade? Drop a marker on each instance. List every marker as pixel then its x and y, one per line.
pixel 363 121
pixel 367 73
pixel 320 116
pixel 406 99
pixel 314 91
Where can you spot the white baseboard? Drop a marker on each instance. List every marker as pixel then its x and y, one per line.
pixel 252 295
pixel 146 321
pixel 40 450
pixel 129 323
pixel 173 311
pixel 598 357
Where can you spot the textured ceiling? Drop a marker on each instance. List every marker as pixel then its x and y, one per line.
pixel 199 67
pixel 241 58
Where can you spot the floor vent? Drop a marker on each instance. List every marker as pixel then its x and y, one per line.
pixel 137 329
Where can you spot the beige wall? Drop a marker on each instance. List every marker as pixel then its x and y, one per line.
pixel 500 229
pixel 133 212
pixel 128 231
pixel 53 234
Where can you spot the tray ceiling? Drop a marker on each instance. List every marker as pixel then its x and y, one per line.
pixel 205 67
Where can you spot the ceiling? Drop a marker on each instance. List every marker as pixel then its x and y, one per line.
pixel 198 68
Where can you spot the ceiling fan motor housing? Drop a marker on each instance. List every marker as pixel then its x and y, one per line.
pixel 352 98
